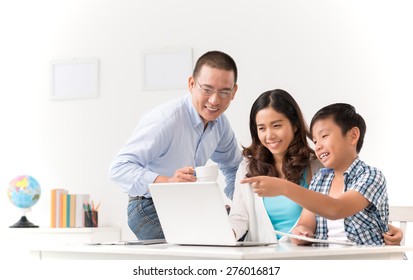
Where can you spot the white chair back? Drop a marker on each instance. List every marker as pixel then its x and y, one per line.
pixel 402 215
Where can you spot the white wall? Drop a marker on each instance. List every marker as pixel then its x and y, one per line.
pixel 320 51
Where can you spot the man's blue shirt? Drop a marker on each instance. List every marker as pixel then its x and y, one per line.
pixel 170 137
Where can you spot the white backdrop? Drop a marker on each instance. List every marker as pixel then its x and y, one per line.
pixel 320 51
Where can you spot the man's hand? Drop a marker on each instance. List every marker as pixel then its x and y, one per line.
pixel 184 174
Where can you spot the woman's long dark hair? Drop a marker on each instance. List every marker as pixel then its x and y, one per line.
pixel 298 156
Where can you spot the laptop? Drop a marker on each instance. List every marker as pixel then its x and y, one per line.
pixel 194 214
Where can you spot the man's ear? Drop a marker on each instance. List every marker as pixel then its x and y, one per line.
pixel 354 135
pixel 234 91
pixel 191 83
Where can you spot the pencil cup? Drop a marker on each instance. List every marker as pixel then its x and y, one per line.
pixel 91 219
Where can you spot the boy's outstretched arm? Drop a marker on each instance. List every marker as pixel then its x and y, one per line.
pixel 347 204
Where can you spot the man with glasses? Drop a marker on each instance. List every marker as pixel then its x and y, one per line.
pixel 175 137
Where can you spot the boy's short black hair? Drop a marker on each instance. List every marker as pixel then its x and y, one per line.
pixel 345 116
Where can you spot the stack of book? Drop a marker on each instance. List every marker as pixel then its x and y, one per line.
pixel 67 210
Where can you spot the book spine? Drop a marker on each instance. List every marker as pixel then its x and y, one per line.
pixel 72 210
pixel 64 210
pixel 61 213
pixel 67 220
pixel 53 209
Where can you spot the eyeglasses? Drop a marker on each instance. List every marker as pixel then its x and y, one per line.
pixel 208 91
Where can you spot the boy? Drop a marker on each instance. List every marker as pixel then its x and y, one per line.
pixel 347 199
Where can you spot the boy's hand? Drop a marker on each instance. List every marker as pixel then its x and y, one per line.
pixel 393 236
pixel 263 185
pixel 302 231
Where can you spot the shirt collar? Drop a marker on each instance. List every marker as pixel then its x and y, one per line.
pixel 326 171
pixel 349 171
pixel 352 170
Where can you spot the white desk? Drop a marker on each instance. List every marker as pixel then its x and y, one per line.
pixel 282 251
pixel 16 242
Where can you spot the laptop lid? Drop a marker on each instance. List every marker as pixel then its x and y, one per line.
pixel 193 213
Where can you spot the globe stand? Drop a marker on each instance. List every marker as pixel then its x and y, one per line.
pixel 24 223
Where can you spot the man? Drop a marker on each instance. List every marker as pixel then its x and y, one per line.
pixel 175 137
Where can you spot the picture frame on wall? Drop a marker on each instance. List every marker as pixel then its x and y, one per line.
pixel 74 78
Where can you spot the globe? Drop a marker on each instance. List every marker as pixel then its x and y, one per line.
pixel 24 192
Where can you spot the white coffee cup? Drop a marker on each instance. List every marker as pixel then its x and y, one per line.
pixel 207 173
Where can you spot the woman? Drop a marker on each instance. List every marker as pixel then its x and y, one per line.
pixel 279 148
